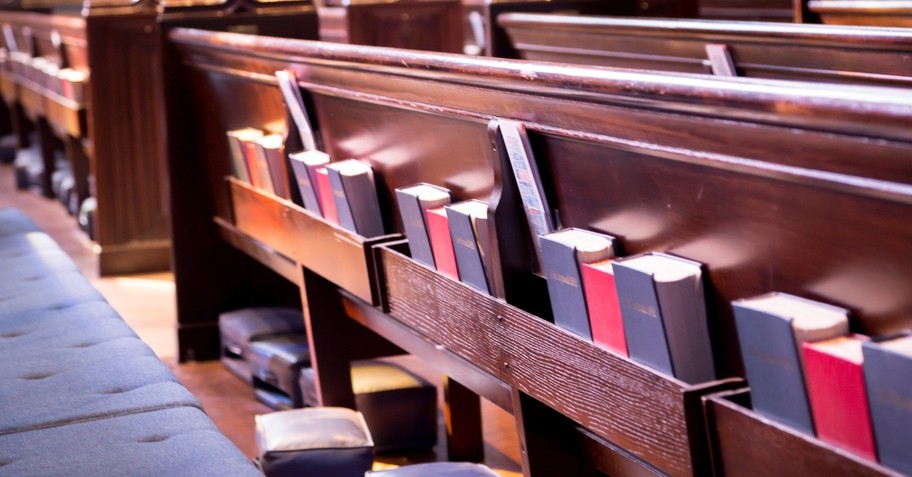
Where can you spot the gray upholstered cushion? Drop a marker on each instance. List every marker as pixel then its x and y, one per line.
pixel 57 384
pixel 34 265
pixel 400 407
pixel 437 469
pixel 328 441
pixel 23 243
pixel 13 222
pixel 173 442
pixel 44 332
pixel 55 292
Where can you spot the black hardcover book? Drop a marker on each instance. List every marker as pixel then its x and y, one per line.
pixel 465 219
pixel 562 253
pixel 770 330
pixel 664 312
pixel 355 196
pixel 413 202
pixel 888 378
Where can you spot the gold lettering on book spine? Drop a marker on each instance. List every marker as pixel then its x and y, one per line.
pixel 641 308
pixel 465 243
pixel 893 399
pixel 564 279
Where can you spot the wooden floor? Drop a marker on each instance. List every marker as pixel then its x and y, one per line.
pixel 147 303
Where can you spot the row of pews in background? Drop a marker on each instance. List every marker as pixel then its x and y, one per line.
pixel 774 185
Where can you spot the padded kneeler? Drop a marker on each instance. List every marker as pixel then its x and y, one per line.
pixel 437 469
pixel 319 441
pixel 400 407
pixel 240 327
pixel 275 363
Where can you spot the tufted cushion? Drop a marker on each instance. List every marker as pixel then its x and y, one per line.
pixel 13 222
pixel 55 292
pixel 172 442
pixel 275 363
pixel 400 407
pixel 240 327
pixel 44 332
pixel 437 469
pixel 35 265
pixel 55 385
pixel 330 441
pixel 26 242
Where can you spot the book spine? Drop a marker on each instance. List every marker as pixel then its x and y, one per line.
pixel 413 219
pixel 646 342
pixel 604 308
pixel 773 368
pixel 327 202
pixel 682 307
pixel 568 303
pixel 890 397
pixel 439 235
pixel 252 168
pixel 238 162
pixel 465 248
pixel 262 164
pixel 275 159
pixel 363 204
pixel 307 185
pixel 839 402
pixel 343 211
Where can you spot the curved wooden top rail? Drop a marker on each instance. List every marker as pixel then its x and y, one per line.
pixel 875 112
pixel 884 37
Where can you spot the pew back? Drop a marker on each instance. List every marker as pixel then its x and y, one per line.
pixel 854 55
pixel 792 187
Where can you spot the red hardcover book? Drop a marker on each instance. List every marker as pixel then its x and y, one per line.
pixel 325 194
pixel 604 308
pixel 837 395
pixel 438 229
pixel 250 157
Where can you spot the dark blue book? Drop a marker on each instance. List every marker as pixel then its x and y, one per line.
pixel 770 330
pixel 355 196
pixel 413 202
pixel 888 378
pixel 663 308
pixel 562 254
pixel 465 219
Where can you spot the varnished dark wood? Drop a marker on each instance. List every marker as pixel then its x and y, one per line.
pixel 747 442
pixel 275 261
pixel 747 10
pixel 434 25
pixel 742 175
pixel 441 358
pixel 854 55
pixel 858 12
pixel 462 415
pixel 337 254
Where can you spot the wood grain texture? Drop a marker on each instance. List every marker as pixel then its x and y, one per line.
pixel 623 402
pixel 860 12
pixel 748 444
pixel 259 251
pixel 341 256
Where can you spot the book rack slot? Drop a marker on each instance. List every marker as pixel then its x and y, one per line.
pixel 338 255
pixel 655 417
pixel 8 89
pixel 258 251
pixel 743 441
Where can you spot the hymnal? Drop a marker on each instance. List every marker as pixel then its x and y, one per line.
pixel 305 165
pixel 438 228
pixel 562 254
pixel 771 329
pixel 836 392
pixel 888 376
pixel 327 203
pixel 273 155
pixel 237 141
pixel 355 195
pixel 604 308
pixel 664 311
pixel 466 219
pixel 413 202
